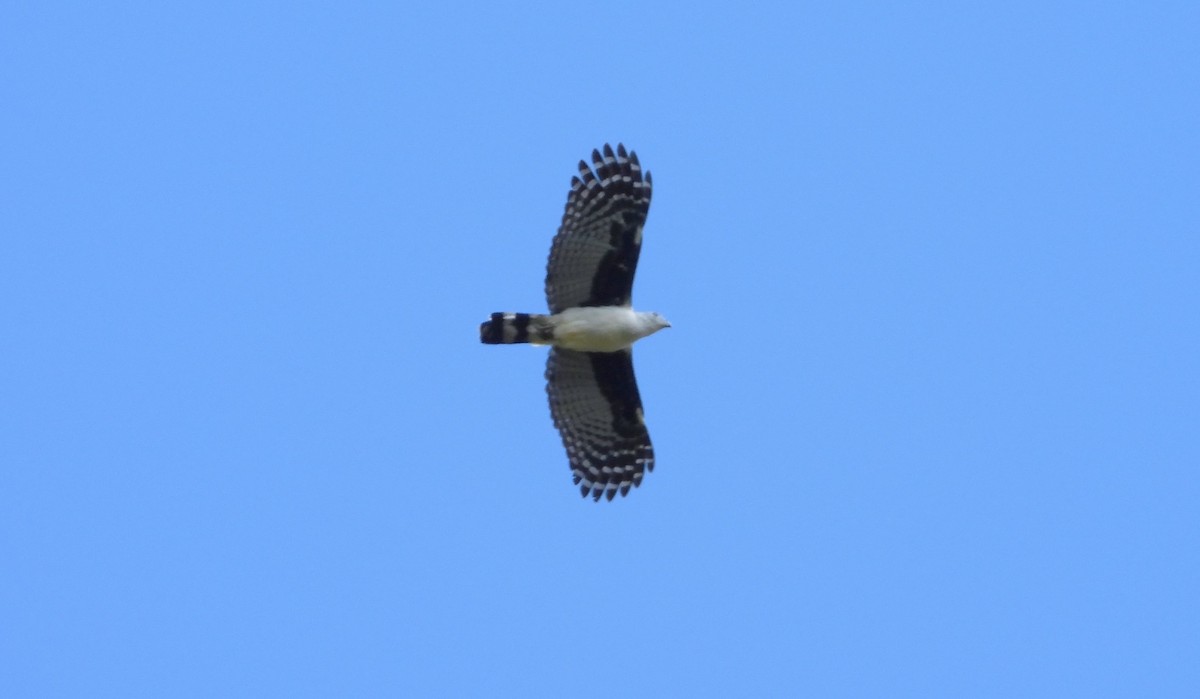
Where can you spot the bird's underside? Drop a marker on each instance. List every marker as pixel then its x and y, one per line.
pixel 591 327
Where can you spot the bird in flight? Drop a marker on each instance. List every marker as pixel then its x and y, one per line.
pixel 592 326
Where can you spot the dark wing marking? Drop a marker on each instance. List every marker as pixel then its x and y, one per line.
pixel 596 407
pixel 595 253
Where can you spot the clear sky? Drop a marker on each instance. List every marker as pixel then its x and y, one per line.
pixel 926 422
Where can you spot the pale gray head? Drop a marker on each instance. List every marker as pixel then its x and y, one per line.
pixel 655 321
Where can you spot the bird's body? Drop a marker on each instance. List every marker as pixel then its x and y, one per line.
pixel 592 326
pixel 583 329
pixel 603 328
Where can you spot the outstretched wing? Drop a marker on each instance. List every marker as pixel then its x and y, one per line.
pixel 596 407
pixel 595 252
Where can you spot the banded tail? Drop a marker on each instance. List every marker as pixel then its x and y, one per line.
pixel 512 328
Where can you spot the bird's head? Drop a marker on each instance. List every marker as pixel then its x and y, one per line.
pixel 657 322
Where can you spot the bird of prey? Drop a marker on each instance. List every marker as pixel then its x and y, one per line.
pixel 592 326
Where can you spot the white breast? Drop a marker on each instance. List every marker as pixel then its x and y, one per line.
pixel 598 329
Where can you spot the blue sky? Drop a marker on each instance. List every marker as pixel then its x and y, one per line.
pixel 926 422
